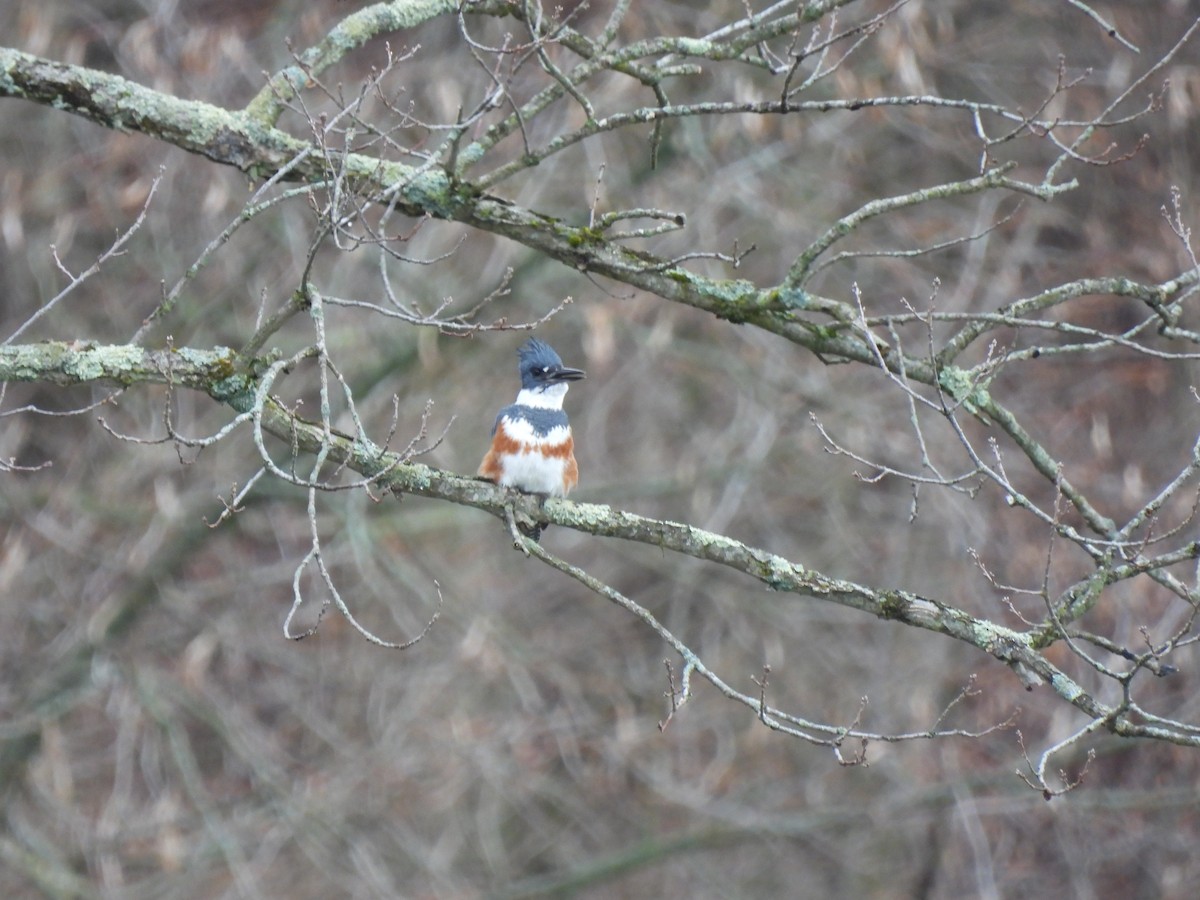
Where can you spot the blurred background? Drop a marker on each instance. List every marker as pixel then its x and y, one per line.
pixel 159 737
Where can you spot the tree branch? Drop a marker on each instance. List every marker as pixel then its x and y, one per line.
pixel 218 374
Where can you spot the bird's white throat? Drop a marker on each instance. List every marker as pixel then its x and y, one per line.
pixel 543 398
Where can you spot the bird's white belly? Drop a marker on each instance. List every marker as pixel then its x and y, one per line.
pixel 534 473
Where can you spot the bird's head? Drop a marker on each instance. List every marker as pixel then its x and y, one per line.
pixel 541 368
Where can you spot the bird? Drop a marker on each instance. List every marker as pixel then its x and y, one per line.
pixel 532 446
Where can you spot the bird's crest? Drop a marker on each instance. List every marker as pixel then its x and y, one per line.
pixel 536 354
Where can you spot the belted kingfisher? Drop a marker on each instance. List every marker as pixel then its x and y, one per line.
pixel 532 447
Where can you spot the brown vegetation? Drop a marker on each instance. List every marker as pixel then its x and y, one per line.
pixel 160 737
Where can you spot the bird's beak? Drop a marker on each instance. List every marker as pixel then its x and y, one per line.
pixel 565 374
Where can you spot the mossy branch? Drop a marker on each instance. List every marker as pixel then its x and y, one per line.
pixel 224 377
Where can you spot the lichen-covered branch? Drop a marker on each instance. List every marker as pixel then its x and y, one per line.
pixel 222 376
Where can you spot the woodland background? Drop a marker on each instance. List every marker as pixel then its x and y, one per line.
pixel 161 738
